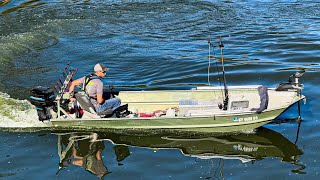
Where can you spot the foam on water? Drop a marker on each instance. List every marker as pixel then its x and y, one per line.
pixel 17 113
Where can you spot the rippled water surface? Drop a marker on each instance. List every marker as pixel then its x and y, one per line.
pixel 158 45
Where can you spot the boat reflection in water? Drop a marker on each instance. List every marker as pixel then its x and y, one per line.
pixel 84 149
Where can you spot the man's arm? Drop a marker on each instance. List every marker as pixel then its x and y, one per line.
pixel 74 83
pixel 99 92
pixel 100 98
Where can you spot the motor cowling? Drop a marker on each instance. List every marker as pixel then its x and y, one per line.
pixel 43 98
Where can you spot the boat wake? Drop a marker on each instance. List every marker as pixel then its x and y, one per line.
pixel 17 113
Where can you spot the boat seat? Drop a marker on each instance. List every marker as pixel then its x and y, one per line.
pixel 85 103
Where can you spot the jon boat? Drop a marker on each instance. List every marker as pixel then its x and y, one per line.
pixel 197 109
pixel 200 109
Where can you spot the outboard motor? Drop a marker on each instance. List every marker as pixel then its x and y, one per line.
pixel 43 98
pixel 292 84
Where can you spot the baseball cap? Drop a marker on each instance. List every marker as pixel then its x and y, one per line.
pixel 100 67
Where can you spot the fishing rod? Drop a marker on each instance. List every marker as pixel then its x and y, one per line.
pixel 209 61
pixel 226 96
pixel 210 44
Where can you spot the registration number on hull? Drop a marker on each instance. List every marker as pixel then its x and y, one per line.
pixel 243 119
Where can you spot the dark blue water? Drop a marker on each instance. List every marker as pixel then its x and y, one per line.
pixel 159 45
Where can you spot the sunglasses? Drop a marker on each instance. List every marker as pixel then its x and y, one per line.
pixel 104 72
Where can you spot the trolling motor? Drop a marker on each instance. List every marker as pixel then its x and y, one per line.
pixel 292 84
pixel 43 98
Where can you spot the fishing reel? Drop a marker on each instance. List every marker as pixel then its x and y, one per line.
pixel 293 83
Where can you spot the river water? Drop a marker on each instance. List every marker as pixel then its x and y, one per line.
pixel 158 45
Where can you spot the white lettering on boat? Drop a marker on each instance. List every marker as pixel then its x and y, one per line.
pixel 243 148
pixel 251 118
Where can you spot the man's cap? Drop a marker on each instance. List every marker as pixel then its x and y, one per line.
pixel 100 67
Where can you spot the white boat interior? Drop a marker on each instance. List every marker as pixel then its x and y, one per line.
pixel 203 101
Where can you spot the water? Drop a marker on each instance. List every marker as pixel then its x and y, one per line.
pixel 159 45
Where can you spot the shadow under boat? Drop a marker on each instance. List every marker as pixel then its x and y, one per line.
pixel 261 144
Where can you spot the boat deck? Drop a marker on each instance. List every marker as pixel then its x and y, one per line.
pixel 203 101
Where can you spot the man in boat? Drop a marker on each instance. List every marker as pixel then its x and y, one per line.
pixel 93 87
